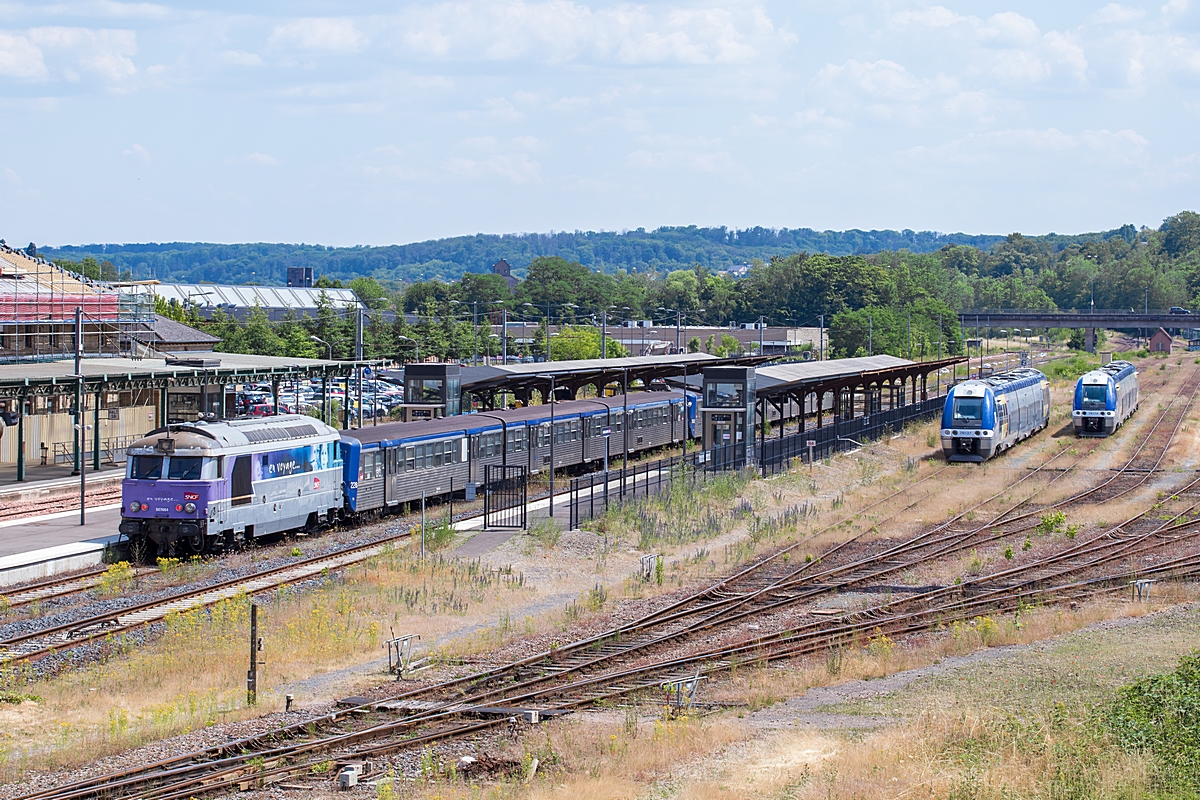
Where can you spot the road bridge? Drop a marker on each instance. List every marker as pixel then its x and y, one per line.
pixel 1088 319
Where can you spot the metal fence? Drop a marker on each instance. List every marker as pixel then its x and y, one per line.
pixel 505 496
pixel 595 493
pixel 776 455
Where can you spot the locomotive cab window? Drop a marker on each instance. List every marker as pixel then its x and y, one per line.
pixel 1094 395
pixel 183 468
pixel 146 468
pixel 968 409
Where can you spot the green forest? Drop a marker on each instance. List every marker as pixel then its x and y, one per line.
pixel 896 301
pixel 639 250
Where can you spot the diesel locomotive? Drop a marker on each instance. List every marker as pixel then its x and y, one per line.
pixel 1104 399
pixel 984 417
pixel 206 487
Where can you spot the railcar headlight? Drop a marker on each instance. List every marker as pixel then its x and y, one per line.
pixel 135 506
pixel 189 508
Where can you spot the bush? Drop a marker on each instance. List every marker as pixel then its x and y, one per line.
pixel 1160 715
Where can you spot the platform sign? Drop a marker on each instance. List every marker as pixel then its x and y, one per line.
pixel 606 431
pixel 810 443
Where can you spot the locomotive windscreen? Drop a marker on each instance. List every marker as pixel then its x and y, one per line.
pixel 1094 395
pixel 146 468
pixel 184 468
pixel 968 408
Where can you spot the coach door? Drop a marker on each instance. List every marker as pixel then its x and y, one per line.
pixel 394 468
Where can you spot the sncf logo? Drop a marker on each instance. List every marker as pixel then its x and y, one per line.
pixel 190 496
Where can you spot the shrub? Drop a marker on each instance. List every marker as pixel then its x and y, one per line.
pixel 1160 714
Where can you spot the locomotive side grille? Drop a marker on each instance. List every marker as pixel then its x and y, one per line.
pixel 300 431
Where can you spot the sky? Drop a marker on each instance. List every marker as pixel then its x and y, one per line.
pixel 373 123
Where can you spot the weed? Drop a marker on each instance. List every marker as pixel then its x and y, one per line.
pixel 116 578
pixel 1028 544
pixel 1051 523
pixel 1008 553
pixel 296 552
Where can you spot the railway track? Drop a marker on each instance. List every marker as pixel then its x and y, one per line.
pixel 599 667
pixel 418 718
pixel 104 495
pixel 57 587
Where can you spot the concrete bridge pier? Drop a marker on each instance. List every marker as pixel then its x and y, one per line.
pixel 1089 340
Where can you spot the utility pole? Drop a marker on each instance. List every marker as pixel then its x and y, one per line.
pixel 358 355
pixel 821 339
pixel 910 335
pixel 870 335
pixel 78 388
pixel 255 647
pixel 548 357
pixel 761 320
pixel 604 333
pixel 504 338
pixel 475 328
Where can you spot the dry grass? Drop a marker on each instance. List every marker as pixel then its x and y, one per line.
pixel 194 674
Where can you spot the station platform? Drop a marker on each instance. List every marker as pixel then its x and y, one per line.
pixel 51 541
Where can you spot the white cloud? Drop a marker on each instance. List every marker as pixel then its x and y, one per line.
pixel 933 17
pixel 19 57
pixel 1117 14
pixel 262 159
pixel 138 152
pixel 1173 7
pixel 321 34
pixel 12 175
pixel 104 52
pixel 561 30
pixel 514 167
pixel 241 58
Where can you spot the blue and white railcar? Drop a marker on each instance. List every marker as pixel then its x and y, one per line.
pixel 1105 398
pixel 984 417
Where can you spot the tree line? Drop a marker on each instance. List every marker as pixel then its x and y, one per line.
pixel 893 301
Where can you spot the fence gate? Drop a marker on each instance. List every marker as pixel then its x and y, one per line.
pixel 505 496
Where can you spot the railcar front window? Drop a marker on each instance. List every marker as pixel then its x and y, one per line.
pixel 146 468
pixel 1094 395
pixel 184 468
pixel 969 409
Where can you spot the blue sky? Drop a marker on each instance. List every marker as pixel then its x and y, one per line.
pixel 371 123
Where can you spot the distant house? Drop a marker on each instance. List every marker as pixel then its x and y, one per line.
pixel 1160 342
pixel 504 270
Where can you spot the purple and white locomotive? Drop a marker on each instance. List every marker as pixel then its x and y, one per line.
pixel 209 486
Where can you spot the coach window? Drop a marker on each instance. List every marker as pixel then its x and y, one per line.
pixel 410 460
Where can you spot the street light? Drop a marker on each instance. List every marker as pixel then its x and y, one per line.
pixel 416 344
pixel 319 340
pixel 551 379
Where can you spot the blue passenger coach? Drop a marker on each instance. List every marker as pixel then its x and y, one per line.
pixel 984 417
pixel 1105 398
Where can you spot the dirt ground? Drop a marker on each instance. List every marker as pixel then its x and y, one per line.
pixel 779 737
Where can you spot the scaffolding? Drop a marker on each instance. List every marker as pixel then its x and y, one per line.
pixel 38 301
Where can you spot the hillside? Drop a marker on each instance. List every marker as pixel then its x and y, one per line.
pixel 609 251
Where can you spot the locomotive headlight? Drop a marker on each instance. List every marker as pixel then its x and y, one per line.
pixel 135 506
pixel 189 508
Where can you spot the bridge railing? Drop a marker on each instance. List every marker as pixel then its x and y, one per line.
pixel 1084 312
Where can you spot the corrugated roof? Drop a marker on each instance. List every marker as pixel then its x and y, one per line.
pixel 803 371
pixel 208 295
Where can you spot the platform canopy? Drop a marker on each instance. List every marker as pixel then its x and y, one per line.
pixel 521 379
pixel 198 369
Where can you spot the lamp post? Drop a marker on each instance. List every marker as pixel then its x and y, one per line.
pixel 416 345
pixel 551 379
pixel 325 404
